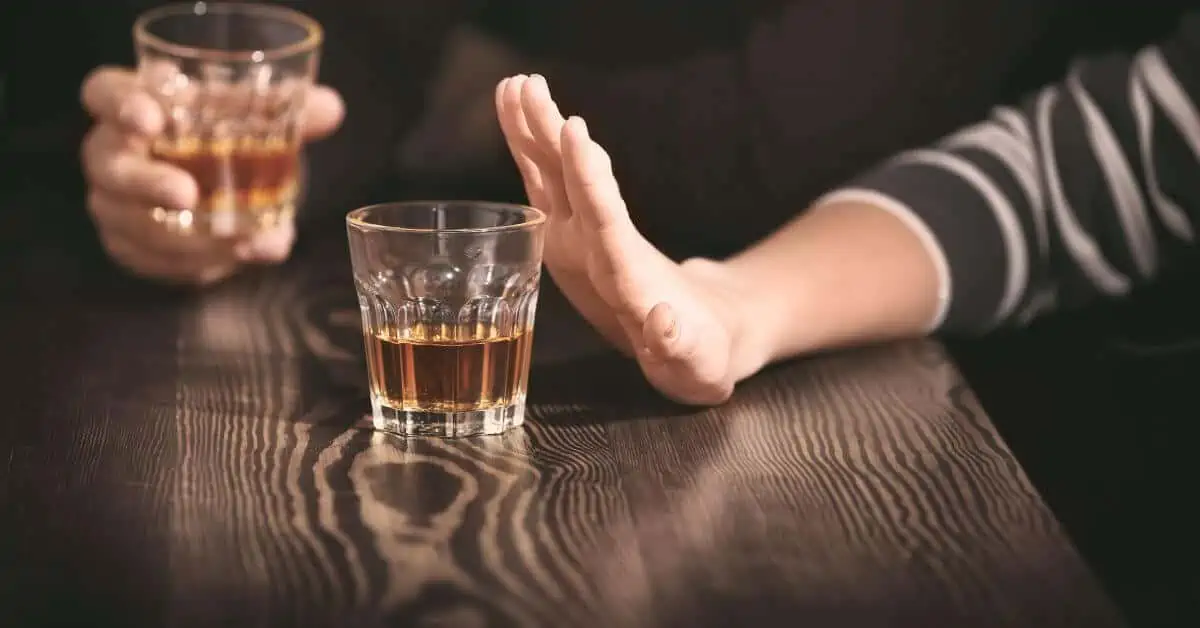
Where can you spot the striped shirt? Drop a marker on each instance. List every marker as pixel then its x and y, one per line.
pixel 1084 189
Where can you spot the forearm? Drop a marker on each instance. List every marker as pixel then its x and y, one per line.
pixel 1082 191
pixel 844 273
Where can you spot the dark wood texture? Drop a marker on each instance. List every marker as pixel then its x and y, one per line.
pixel 176 460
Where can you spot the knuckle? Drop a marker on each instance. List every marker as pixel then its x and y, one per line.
pixel 529 145
pixel 99 155
pixel 114 170
pixel 99 80
pixel 142 111
pixel 86 150
pixel 93 143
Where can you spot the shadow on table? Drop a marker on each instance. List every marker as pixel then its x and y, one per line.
pixel 611 387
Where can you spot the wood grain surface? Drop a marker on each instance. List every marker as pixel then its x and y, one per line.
pixel 199 461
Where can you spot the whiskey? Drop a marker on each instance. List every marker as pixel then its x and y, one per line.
pixel 417 371
pixel 247 175
pixel 246 183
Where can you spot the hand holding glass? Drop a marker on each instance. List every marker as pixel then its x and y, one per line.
pixel 232 79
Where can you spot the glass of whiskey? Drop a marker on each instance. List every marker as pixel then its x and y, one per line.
pixel 448 291
pixel 232 79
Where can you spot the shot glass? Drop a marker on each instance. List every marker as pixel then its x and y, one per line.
pixel 448 293
pixel 232 80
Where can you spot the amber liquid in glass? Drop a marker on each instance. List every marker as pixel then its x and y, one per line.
pixel 417 370
pixel 252 176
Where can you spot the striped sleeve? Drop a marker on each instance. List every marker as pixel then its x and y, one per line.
pixel 1083 190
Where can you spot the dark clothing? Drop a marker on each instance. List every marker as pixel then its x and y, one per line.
pixel 724 117
pixel 1084 189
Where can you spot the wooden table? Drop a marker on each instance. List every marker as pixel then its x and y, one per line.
pixel 171 460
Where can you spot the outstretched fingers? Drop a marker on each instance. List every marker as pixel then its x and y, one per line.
pixel 626 269
pixel 519 140
pixel 591 186
pixel 540 169
pixel 545 120
pixel 619 251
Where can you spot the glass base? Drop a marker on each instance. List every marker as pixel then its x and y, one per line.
pixel 447 424
pixel 224 223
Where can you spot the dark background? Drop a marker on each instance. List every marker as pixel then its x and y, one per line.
pixel 1102 421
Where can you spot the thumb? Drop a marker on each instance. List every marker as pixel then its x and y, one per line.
pixel 678 362
pixel 323 113
pixel 662 334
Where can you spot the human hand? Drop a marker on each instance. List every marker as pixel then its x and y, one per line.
pixel 684 323
pixel 125 184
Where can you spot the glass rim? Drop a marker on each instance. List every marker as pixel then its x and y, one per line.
pixel 142 36
pixel 356 218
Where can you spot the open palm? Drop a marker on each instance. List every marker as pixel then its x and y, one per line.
pixel 681 321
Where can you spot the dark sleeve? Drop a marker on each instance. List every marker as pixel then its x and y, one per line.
pixel 723 147
pixel 1083 190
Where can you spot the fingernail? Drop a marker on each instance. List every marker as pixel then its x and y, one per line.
pixel 673 327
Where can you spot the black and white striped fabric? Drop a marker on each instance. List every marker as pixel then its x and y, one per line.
pixel 1082 190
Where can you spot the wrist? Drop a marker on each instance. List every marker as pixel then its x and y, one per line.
pixel 843 273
